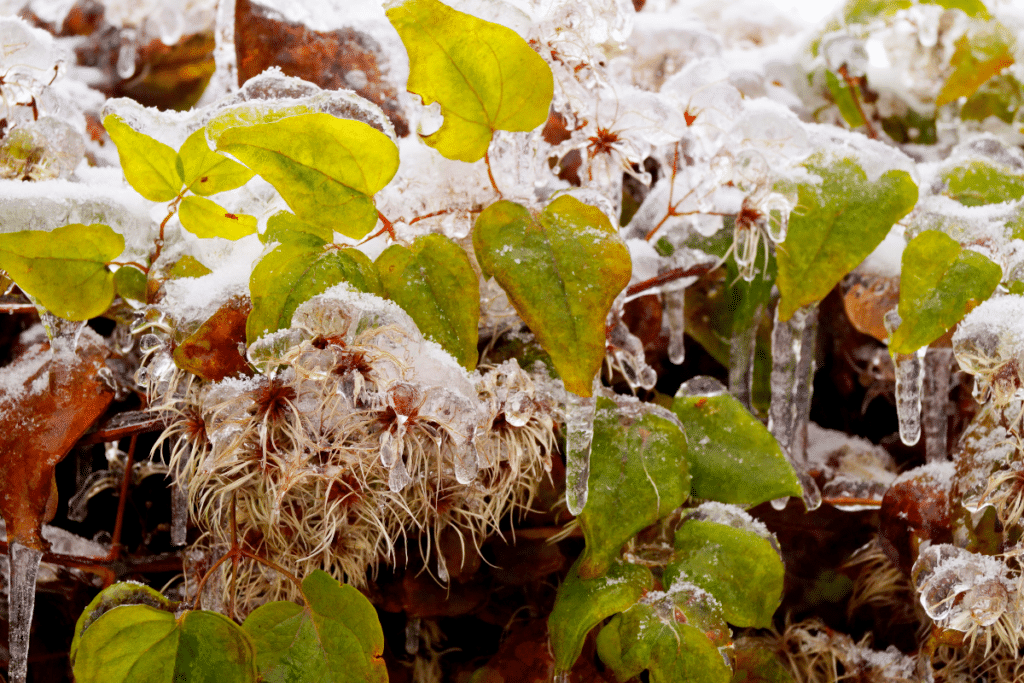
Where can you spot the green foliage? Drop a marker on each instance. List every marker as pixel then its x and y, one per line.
pixel 334 638
pixel 733 457
pixel 205 218
pixel 638 474
pixel 130 283
pixel 561 270
pixel 979 55
pixel 863 11
pixel 188 266
pixel 981 182
pixel 204 172
pixel 65 269
pixel 1000 96
pixel 484 76
pixel 286 227
pixel 149 166
pixel 326 168
pixel 940 282
pixel 741 568
pixel 434 282
pixel 844 99
pixel 841 220
pixel 582 604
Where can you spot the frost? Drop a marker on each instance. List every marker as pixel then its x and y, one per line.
pixel 989 343
pixel 730 515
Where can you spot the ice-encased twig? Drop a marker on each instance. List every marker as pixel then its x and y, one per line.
pixel 24 569
pixel 741 360
pixel 937 370
pixel 579 432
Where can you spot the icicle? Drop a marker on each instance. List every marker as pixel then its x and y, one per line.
pixel 179 515
pixel 465 461
pixel 442 567
pixel 128 54
pixel 909 386
pixel 398 477
pixel 24 568
pixel 780 503
pixel 579 428
pixel 804 385
pixel 225 77
pixel 387 449
pixel 783 417
pixel 412 635
pixel 741 360
pixel 674 304
pixel 937 365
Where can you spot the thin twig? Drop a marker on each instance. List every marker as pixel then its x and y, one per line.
pixel 670 276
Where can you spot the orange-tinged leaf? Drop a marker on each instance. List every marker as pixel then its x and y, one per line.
pixel 217 349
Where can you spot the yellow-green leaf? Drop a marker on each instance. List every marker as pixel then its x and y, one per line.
pixel 285 227
pixel 66 269
pixel 130 283
pixel 205 218
pixel 149 166
pixel 844 98
pixel 204 171
pixel 940 282
pixel 434 282
pixel 978 57
pixel 188 266
pixel 484 76
pixel 980 182
pixel 327 169
pixel 561 270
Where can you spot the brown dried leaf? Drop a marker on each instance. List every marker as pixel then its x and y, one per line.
pixel 217 349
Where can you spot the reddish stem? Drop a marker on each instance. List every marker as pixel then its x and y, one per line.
pixel 851 83
pixel 487 160
pixel 669 276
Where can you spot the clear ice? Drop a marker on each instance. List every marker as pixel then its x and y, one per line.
pixel 741 360
pixel 792 370
pixel 936 406
pixel 24 568
pixel 909 386
pixel 674 303
pixel 579 428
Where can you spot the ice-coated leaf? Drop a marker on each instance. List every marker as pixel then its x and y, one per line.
pixel 638 474
pixel 672 652
pixel 124 593
pixel 334 638
pixel 940 282
pixel 841 220
pixel 484 76
pixel 977 58
pixel 863 11
pixel 205 172
pixel 327 169
pixel 212 352
pixel 979 182
pixel 205 218
pixel 759 664
pixel 149 166
pixel 434 282
pixel 1001 96
pixel 844 99
pixel 65 269
pixel 739 567
pixel 286 227
pixel 133 643
pixel 297 271
pixel 561 270
pixel 582 604
pixel 188 266
pixel 130 283
pixel 733 457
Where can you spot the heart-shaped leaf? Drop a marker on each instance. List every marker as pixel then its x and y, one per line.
pixel 204 171
pixel 149 166
pixel 119 594
pixel 65 269
pixel 582 604
pixel 326 168
pixel 335 637
pixel 638 474
pixel 434 282
pixel 206 218
pixel 940 282
pixel 561 271
pixel 841 220
pixel 484 76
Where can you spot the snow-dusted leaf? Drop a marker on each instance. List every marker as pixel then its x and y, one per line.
pixel 582 604
pixel 206 172
pixel 940 282
pixel 335 637
pixel 561 270
pixel 149 166
pixel 206 218
pixel 65 269
pixel 980 182
pixel 484 76
pixel 434 282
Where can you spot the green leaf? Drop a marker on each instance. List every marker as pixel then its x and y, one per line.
pixel 1001 96
pixel 978 183
pixel 335 638
pixel 137 643
pixel 188 266
pixel 739 566
pixel 979 55
pixel 484 76
pixel 863 11
pixel 733 457
pixel 638 474
pixel 841 220
pixel 561 271
pixel 327 169
pixel 205 218
pixel 123 593
pixel 65 269
pixel 204 171
pixel 285 227
pixel 972 8
pixel 130 283
pixel 297 271
pixel 844 99
pixel 149 166
pixel 644 637
pixel 582 604
pixel 756 664
pixel 434 282
pixel 940 282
